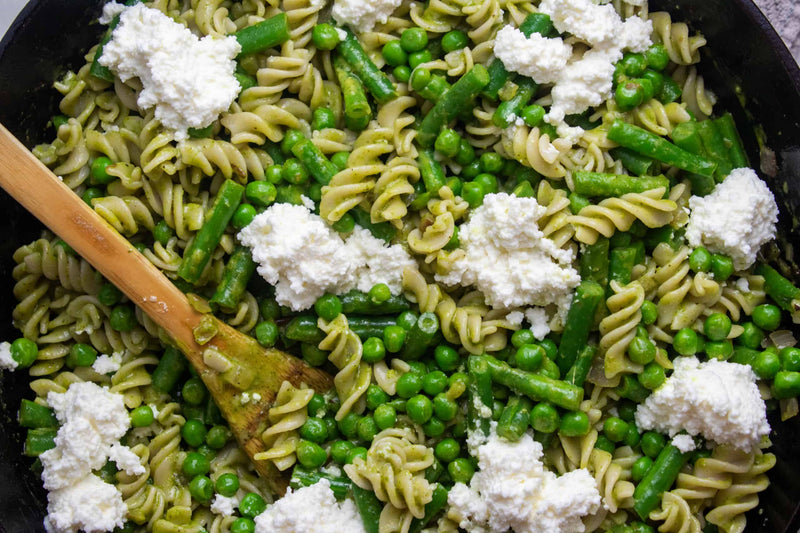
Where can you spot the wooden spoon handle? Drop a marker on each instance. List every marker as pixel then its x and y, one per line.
pixel 35 187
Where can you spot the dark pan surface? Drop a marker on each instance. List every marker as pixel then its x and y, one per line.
pixel 745 63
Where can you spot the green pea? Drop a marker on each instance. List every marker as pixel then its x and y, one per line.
pixel 522 337
pixel 605 444
pixel 142 416
pixel 267 333
pixel 419 408
pixel 530 357
pixel 657 56
pixel 634 64
pixel 325 36
pixel 641 350
pixel 357 451
pixel 252 504
pixel 473 193
pixel 366 428
pixel 655 78
pixel 243 525
pixel 454 40
pixel 217 437
pixel 465 156
pixel 310 454
pixel 373 350
pixel 162 233
pixel 448 142
pixel 340 450
pixel 316 405
pixel 328 306
pixel 409 384
pixel 434 428
pixel 24 352
pixel 446 357
pixel 640 468
pixel 274 175
pixel 385 416
pixel 767 364
pixel 550 369
pixel 447 450
pixel 99 170
pixel 751 336
pixel 323 118
pixel 488 182
pixel 647 88
pixel 615 429
pixel 91 193
pixel 492 162
pixel 544 418
pixel 407 319
pixel 628 95
pixel 339 159
pixel 347 425
pixel 786 385
pixel 375 396
pixel 790 359
pixel 533 115
pixel 227 484
pixel 652 377
pixel 194 391
pixel 195 464
pixel 471 170
pixel 626 410
pixel 314 430
pixel 394 54
pixel 402 73
pixel 79 355
pixel 632 437
pixel 201 488
pixel 418 367
pixel 574 424
pixel 767 317
pixel 59 120
pixel 413 39
pixel 717 326
pixel 416 59
pixel 460 470
pixel 346 224
pixel 686 342
pixel 313 355
pixel 721 350
pixel 444 408
pixel 393 338
pixel 652 443
pixel 291 138
pixel 434 382
pixel 721 267
pixel 295 172
pixel 123 318
pixel 649 312
pixel 194 433
pixel 550 348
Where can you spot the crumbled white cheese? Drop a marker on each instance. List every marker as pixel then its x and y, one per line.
pixel 586 20
pixel 513 490
pixel 684 443
pixel 716 399
pixel 515 318
pixel 304 258
pixel 107 364
pixel 584 83
pixel 341 33
pixel 92 422
pixel 6 361
pixel 508 258
pixel 736 219
pixel 536 56
pixel 189 81
pixel 362 15
pixel 743 284
pixel 311 508
pixel 110 10
pixel 540 325
pixel 223 505
pixel 89 504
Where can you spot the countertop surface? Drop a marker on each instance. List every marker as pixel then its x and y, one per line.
pixel 783 14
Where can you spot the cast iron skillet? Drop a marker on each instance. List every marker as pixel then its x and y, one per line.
pixel 745 61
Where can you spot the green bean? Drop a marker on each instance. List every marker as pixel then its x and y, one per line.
pixel 670 91
pixel 452 104
pixel 686 135
pixel 303 477
pixel 381 230
pixel 370 326
pixel 636 163
pixel 198 253
pixel 780 289
pixel 357 112
pixel 733 142
pixel 621 264
pixel 480 393
pixel 318 165
pixel 524 190
pixel 266 34
pixel 498 76
pixel 606 185
pixel 587 297
pixel 515 419
pixel 536 23
pixel 429 86
pixel 238 271
pixel 420 336
pixel 594 262
pixel 535 386
pixel 32 415
pixel 303 328
pixel 659 478
pixel 631 389
pixel 643 142
pixel 579 371
pixel 169 370
pixel 369 507
pixel 357 302
pixel 245 80
pixel 431 171
pixel 39 440
pixel 715 148
pixel 432 508
pixel 375 81
pixel 507 111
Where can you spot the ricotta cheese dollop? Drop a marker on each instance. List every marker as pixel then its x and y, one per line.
pixel 513 490
pixel 736 219
pixel 304 258
pixel 717 400
pixel 188 80
pixel 362 15
pixel 508 258
pixel 7 362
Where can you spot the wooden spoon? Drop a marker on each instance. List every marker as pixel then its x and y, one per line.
pixel 230 363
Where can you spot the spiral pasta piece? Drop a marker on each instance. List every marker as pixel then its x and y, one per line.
pixel 618 329
pixel 683 49
pixel 731 504
pixel 391 189
pixel 676 515
pixel 534 149
pixel 287 414
pixel 354 375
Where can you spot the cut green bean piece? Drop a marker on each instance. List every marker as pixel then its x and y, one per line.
pixel 579 371
pixel 357 302
pixel 264 35
pixel 481 399
pixel 380 230
pixel 780 289
pixel 431 171
pixel 432 508
pixel 32 415
pixel 594 262
pixel 535 386
pixel 303 477
pixel 169 370
pixel 303 328
pixel 635 163
pixel 733 142
pixel 515 419
pixel 369 507
pixel 651 145
pixel 536 23
pixel 357 112
pixel 452 103
pixel 237 274
pixel 375 81
pixel 370 326
pixel 39 440
pixel 509 110
pixel 318 165
pixel 715 148
pixel 615 185
pixel 580 317
pixel 621 263
pixel 199 251
pixel 498 76
pixel 419 337
pixel 659 479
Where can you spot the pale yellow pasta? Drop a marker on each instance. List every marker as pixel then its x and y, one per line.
pixel 354 375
